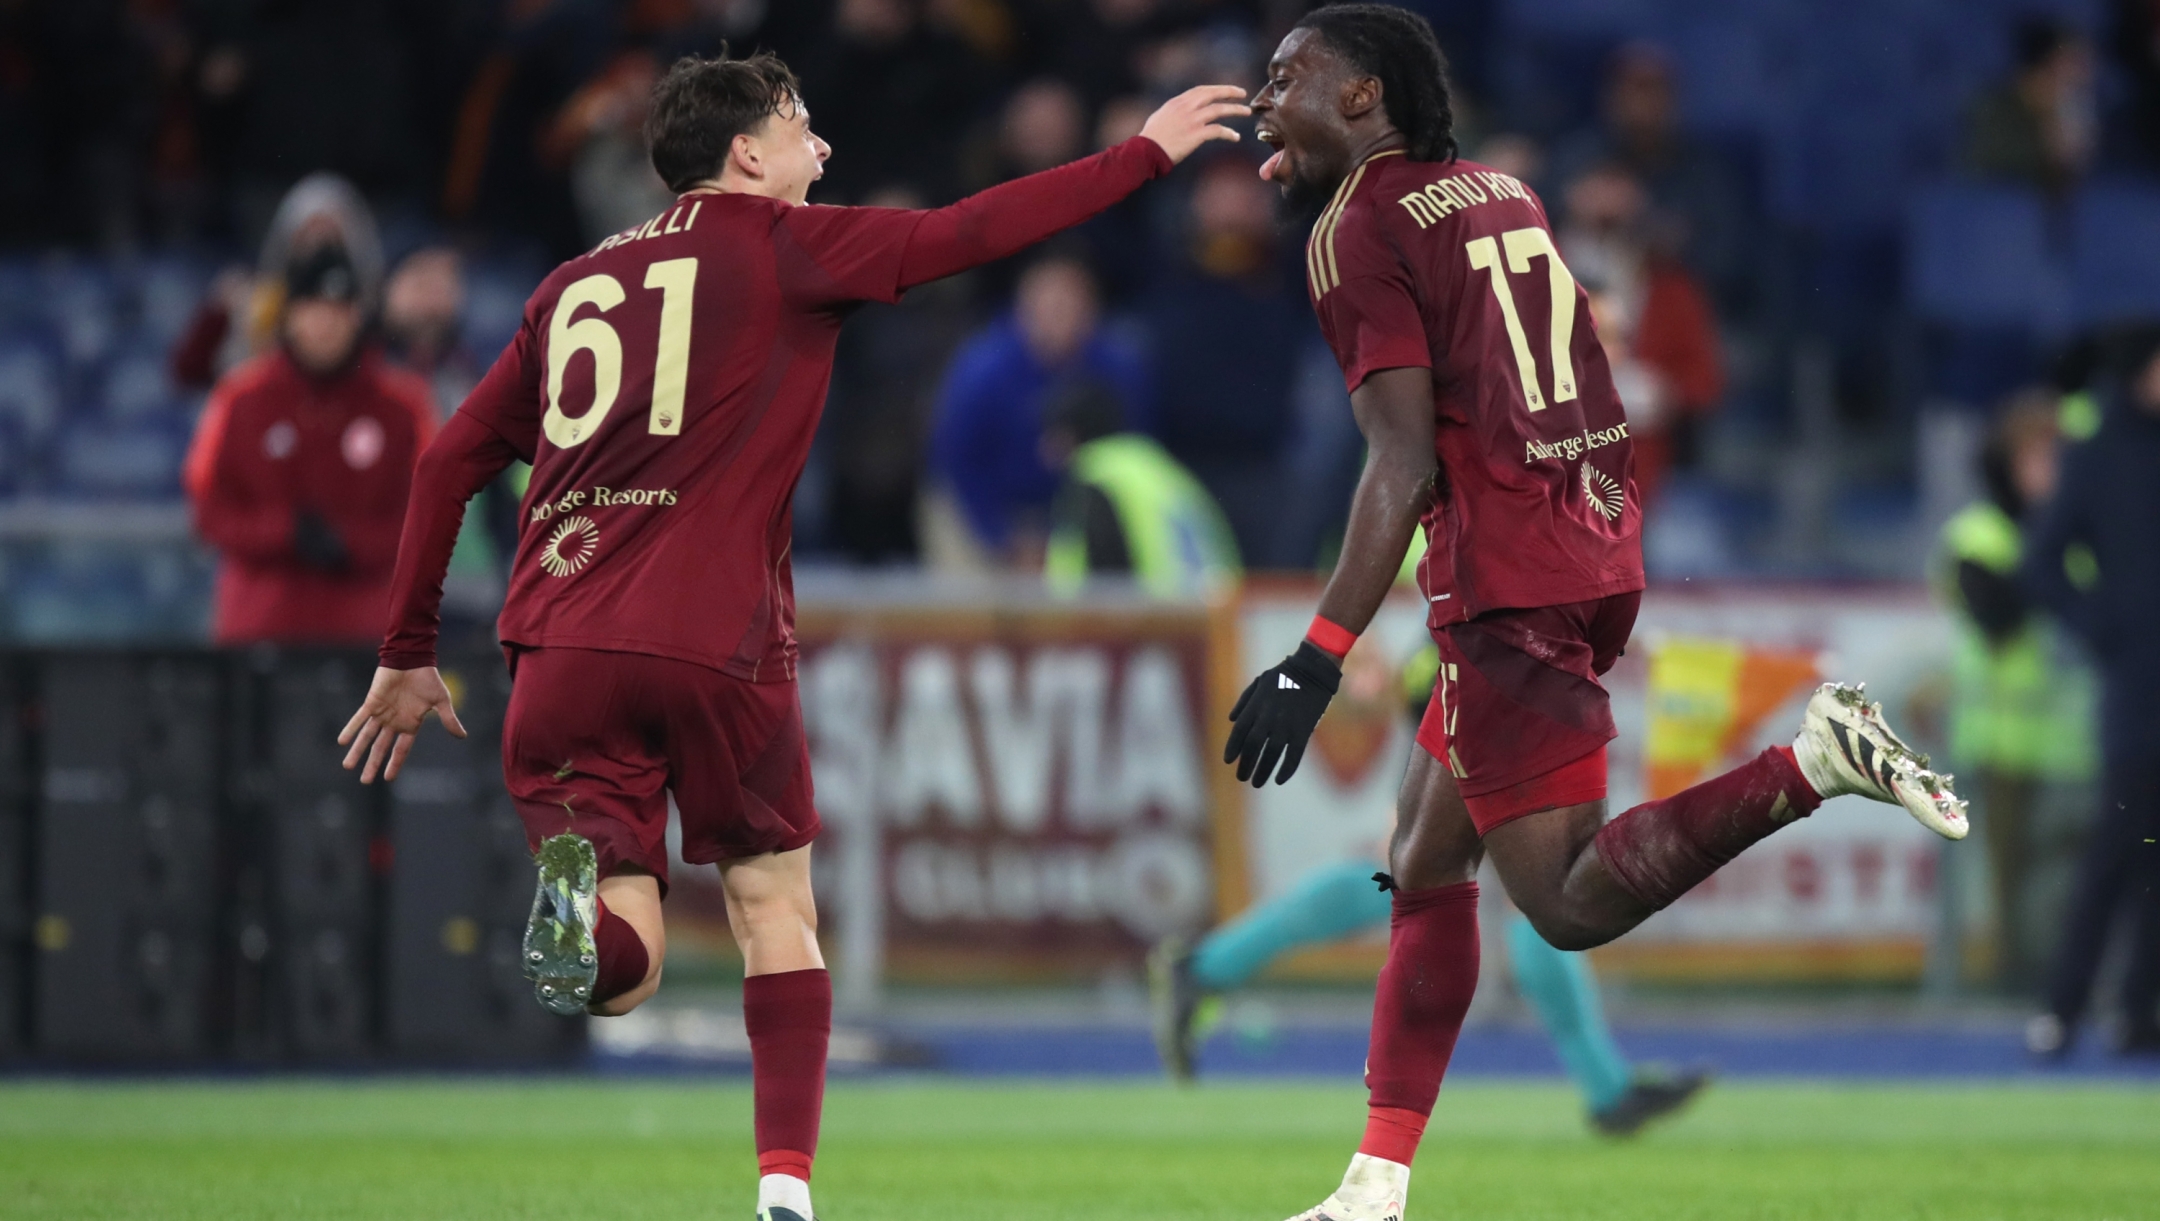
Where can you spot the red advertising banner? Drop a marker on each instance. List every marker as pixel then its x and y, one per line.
pixel 1020 791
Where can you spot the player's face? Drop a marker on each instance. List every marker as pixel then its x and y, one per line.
pixel 321 334
pixel 1298 112
pixel 794 156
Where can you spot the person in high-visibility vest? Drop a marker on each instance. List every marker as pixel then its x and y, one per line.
pixel 2022 713
pixel 1127 507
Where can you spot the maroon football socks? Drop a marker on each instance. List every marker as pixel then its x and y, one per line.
pixel 624 960
pixel 789 1016
pixel 1660 849
pixel 1425 989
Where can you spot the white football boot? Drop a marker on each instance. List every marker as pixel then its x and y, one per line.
pixel 783 1197
pixel 1845 747
pixel 1373 1189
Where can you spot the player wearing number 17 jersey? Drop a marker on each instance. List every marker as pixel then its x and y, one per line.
pixel 1490 416
pixel 666 386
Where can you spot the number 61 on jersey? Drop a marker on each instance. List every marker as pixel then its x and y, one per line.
pixel 569 335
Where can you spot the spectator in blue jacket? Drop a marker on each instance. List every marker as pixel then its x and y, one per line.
pixel 987 443
pixel 2094 561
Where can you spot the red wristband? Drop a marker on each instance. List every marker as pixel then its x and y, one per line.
pixel 1330 637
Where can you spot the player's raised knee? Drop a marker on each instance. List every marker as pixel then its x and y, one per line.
pixel 621 1003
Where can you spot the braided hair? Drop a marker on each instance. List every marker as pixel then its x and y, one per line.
pixel 1397 47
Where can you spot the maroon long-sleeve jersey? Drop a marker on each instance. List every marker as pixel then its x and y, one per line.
pixel 666 386
pixel 274 442
pixel 1451 266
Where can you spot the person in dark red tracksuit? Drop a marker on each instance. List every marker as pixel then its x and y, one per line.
pixel 300 468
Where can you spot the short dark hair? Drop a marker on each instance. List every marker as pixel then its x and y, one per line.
pixel 700 105
pixel 1398 48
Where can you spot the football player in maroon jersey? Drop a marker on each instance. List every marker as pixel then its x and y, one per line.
pixel 665 386
pixel 1490 415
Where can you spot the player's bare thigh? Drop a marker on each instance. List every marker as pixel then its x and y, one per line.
pixel 772 911
pixel 1546 860
pixel 1549 863
pixel 1435 843
pixel 634 896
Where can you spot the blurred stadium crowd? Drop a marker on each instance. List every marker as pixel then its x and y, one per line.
pixel 1825 238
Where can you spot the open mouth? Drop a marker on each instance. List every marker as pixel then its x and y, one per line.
pixel 1273 139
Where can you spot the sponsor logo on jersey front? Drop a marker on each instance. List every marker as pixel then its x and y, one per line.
pixel 571 546
pixel 1569 448
pixel 1603 492
pixel 601 497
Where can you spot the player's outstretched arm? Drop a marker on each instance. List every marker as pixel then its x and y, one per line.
pixel 397 703
pixel 1276 716
pixel 1012 216
pixel 463 458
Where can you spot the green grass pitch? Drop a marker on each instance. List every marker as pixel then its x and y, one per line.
pixel 901 1150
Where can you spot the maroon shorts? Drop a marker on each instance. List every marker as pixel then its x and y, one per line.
pixel 1518 715
pixel 594 742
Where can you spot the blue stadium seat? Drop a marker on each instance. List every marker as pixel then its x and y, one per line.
pixel 1978 257
pixel 2115 254
pixel 137 461
pixel 20 300
pixel 165 292
pixel 1843 154
pixel 1736 72
pixel 32 382
pixel 1840 173
pixel 1612 18
pixel 74 593
pixel 1878 103
pixel 134 384
pixel 80 302
pixel 14 462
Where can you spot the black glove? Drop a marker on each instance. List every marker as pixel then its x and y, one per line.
pixel 317 543
pixel 1276 715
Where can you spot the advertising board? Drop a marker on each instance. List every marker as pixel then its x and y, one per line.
pixel 1018 789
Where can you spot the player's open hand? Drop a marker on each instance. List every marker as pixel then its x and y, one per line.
pixel 396 704
pixel 1194 117
pixel 1276 716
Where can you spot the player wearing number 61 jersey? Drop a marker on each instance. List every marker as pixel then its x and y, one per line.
pixel 666 386
pixel 1490 415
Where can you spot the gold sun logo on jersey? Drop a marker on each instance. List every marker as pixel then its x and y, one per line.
pixel 571 547
pixel 1604 494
